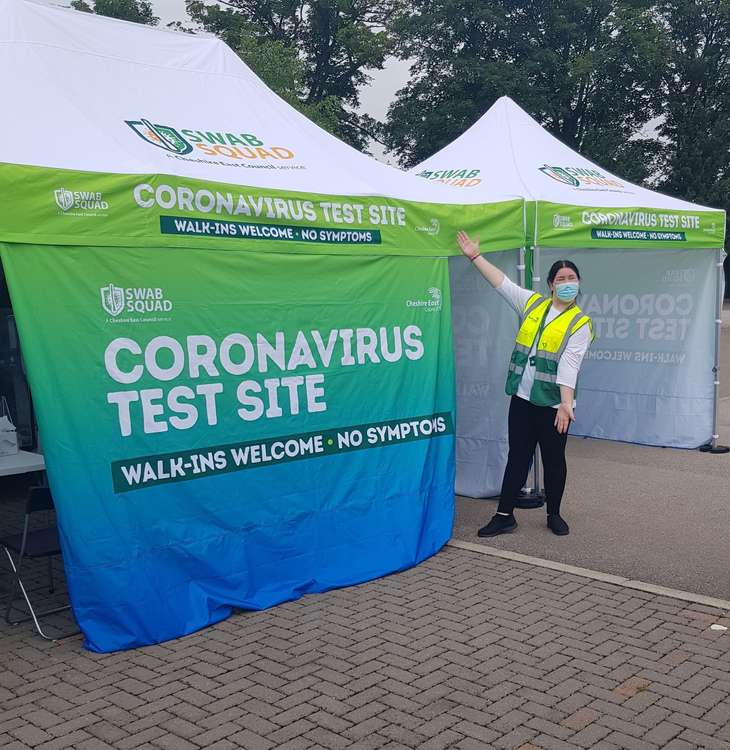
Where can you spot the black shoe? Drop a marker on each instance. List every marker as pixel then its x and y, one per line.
pixel 557 525
pixel 498 525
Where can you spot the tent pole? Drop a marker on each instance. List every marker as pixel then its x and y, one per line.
pixel 712 446
pixel 522 275
pixel 521 268
pixel 533 497
pixel 536 278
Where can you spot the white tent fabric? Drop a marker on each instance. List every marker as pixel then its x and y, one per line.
pixel 508 149
pixel 653 296
pixel 95 116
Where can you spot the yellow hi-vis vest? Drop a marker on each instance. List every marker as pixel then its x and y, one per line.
pixel 553 340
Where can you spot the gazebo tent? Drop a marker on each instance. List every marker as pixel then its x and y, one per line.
pixel 652 282
pixel 236 328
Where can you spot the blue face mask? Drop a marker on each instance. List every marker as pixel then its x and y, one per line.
pixel 567 291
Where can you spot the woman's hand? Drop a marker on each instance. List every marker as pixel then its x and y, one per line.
pixel 470 247
pixel 563 417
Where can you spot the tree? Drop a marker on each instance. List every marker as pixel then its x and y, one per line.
pixel 696 122
pixel 588 70
pixel 696 85
pixel 314 53
pixel 139 11
pixel 284 72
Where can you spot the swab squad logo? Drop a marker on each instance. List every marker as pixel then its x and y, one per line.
pixel 224 147
pixel 138 302
pixel 162 136
pixel 64 198
pixel 455 177
pixel 580 177
pixel 112 299
pixel 80 202
pixel 561 221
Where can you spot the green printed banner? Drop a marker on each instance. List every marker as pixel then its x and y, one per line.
pixel 175 370
pixel 57 206
pixel 642 235
pixel 282 232
pixel 145 471
pixel 560 225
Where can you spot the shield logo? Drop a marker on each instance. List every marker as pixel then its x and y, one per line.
pixel 559 174
pixel 162 136
pixel 64 198
pixel 112 299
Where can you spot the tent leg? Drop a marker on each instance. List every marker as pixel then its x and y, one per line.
pixel 531 497
pixel 521 275
pixel 712 446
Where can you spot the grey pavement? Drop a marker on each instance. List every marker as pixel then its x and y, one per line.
pixel 654 514
pixel 465 651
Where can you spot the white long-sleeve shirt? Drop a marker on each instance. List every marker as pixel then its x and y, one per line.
pixel 571 358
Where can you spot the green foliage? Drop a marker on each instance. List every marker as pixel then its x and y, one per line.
pixel 283 71
pixel 314 53
pixel 587 70
pixel 642 87
pixel 696 81
pixel 139 11
pixel 696 126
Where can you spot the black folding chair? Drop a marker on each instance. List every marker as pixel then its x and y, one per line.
pixel 33 544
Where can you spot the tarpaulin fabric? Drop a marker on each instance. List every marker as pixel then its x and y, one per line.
pixel 150 125
pixel 241 432
pixel 484 328
pixel 62 206
pixel 649 375
pixel 236 327
pixel 573 202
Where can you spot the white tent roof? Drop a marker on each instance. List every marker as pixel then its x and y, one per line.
pixel 513 153
pixel 89 93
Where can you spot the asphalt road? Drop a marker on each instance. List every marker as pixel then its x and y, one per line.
pixel 659 515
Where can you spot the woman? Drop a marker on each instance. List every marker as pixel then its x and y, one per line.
pixel 553 338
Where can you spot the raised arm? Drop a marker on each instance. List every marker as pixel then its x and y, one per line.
pixel 470 248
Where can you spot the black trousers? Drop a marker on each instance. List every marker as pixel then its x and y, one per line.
pixel 530 425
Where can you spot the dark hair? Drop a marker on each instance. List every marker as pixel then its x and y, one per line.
pixel 561 264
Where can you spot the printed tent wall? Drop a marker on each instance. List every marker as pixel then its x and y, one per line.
pixel 652 283
pixel 236 328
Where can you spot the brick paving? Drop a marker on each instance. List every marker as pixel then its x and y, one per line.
pixel 466 651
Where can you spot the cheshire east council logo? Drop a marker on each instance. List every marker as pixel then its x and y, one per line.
pixel 430 305
pixel 435 293
pixel 112 299
pixel 433 228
